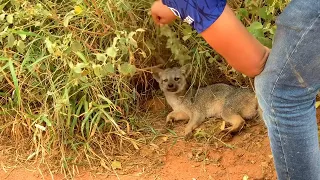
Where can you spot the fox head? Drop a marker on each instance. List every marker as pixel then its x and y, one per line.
pixel 172 80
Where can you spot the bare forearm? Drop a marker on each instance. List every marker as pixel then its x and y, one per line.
pixel 232 40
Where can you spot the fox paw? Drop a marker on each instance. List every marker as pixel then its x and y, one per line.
pixel 169 125
pixel 188 136
pixel 169 120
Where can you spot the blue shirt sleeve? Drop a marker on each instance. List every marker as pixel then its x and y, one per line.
pixel 200 14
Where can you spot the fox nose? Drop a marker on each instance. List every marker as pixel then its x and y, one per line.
pixel 170 85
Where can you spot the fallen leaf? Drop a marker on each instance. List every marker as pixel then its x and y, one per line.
pixel 223 125
pixel 317 104
pixel 245 177
pixel 164 138
pixel 116 165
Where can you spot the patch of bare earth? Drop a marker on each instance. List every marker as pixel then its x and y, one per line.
pixel 170 157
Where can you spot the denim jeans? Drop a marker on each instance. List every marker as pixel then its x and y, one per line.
pixel 287 88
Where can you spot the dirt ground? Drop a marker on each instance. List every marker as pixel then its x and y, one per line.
pixel 245 156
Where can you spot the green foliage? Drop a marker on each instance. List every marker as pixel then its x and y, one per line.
pixel 259 16
pixel 70 70
pixel 66 70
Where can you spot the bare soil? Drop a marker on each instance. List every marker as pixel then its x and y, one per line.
pixel 246 155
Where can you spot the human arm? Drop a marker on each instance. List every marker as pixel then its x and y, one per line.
pixel 161 14
pixel 226 34
pixel 230 39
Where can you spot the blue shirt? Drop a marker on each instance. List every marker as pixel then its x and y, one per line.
pixel 200 14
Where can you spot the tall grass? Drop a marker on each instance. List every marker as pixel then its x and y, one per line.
pixel 73 72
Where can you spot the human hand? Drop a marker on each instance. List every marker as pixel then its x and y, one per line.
pixel 161 14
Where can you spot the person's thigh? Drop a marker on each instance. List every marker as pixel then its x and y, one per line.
pixel 287 88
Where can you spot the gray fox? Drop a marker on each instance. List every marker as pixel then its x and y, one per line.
pixel 232 104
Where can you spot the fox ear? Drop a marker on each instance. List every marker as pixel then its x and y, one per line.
pixel 156 74
pixel 186 69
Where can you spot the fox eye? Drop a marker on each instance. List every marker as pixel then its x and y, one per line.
pixel 165 80
pixel 176 79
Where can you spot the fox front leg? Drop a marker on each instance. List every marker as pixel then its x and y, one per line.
pixel 176 116
pixel 193 123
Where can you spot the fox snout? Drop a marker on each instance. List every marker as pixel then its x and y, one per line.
pixel 171 87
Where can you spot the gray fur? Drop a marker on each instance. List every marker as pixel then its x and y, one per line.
pixel 232 104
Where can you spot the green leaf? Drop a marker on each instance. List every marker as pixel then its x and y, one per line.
pixel 49 45
pixel 133 42
pixel 78 68
pixel 15 82
pixel 76 46
pixel 112 52
pixel 20 32
pixel 272 30
pixel 46 120
pixel 242 13
pixel 186 37
pixel 256 29
pixel 212 60
pixel 108 68
pixel 23 36
pixel 263 12
pixel 166 31
pixel 127 69
pixel 116 165
pixel 67 18
pixel 81 56
pixel 11 40
pixel 101 57
pixel 2 16
pixel 97 70
pixel 10 18
pixel 187 30
pixel 265 41
pixel 21 46
pixel 208 54
pixel 103 70
pixel 37 23
pixel 256 25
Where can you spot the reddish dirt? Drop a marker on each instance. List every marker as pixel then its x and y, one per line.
pixel 185 160
pixel 172 158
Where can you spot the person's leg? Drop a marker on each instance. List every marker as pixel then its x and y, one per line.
pixel 287 88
